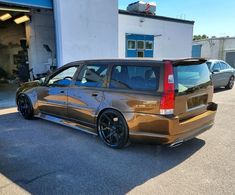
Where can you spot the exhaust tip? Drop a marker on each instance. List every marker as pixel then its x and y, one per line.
pixel 176 144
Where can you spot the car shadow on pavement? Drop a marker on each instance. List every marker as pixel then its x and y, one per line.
pixel 46 158
pixel 218 90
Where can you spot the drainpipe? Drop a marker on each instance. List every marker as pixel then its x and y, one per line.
pixel 211 44
pixel 221 50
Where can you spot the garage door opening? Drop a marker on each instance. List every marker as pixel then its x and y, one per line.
pixel 27 46
pixel 230 58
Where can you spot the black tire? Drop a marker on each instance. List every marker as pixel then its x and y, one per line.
pixel 113 129
pixel 25 107
pixel 230 83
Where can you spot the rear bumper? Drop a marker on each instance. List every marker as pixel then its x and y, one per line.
pixel 160 129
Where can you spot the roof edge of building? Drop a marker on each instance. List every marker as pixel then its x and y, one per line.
pixel 213 38
pixel 164 18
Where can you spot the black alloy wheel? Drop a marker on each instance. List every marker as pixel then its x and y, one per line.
pixel 25 107
pixel 113 129
pixel 230 83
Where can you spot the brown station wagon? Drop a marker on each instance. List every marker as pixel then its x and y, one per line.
pixel 167 101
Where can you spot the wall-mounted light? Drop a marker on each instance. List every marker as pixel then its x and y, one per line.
pixel 5 17
pixel 22 19
pixel 12 9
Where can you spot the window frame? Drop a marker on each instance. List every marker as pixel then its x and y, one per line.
pixel 145 45
pixel 60 70
pixel 128 44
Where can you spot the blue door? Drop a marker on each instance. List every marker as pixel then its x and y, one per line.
pixel 196 51
pixel 139 45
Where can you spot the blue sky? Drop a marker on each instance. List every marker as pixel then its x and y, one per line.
pixel 212 17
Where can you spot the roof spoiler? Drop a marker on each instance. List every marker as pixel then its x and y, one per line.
pixel 188 61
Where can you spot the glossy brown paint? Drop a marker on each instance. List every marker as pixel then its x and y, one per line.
pixel 80 107
pixel 52 100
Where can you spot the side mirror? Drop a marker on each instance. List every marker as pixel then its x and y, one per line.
pixel 215 70
pixel 42 80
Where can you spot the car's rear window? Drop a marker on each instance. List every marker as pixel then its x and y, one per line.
pixel 189 78
pixel 143 78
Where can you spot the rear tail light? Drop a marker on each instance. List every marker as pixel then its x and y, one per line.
pixel 167 103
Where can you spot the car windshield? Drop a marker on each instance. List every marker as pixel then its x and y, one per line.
pixel 189 78
pixel 209 65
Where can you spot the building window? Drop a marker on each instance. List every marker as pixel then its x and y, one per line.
pixel 149 45
pixel 140 54
pixel 131 44
pixel 140 44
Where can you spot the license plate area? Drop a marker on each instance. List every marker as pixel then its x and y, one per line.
pixel 197 102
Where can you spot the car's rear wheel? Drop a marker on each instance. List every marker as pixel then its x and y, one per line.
pixel 25 107
pixel 113 129
pixel 230 83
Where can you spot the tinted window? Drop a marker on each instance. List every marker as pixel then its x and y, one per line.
pixel 135 77
pixel 216 66
pixel 190 77
pixel 92 76
pixel 63 78
pixel 224 66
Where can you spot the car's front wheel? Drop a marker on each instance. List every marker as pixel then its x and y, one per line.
pixel 230 83
pixel 24 106
pixel 113 129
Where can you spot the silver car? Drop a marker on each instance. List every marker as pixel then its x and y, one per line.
pixel 222 74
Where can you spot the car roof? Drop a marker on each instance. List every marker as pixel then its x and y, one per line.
pixel 215 60
pixel 139 60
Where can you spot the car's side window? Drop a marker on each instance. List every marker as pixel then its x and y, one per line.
pixel 144 78
pixel 92 75
pixel 227 66
pixel 63 78
pixel 216 66
pixel 223 66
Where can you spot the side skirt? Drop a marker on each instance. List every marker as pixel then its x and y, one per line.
pixel 66 123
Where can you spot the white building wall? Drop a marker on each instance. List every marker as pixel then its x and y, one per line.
pixel 172 39
pixel 86 29
pixel 216 48
pixel 41 30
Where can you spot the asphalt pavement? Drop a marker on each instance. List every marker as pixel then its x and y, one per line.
pixel 39 157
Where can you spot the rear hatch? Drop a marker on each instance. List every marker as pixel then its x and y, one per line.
pixel 193 88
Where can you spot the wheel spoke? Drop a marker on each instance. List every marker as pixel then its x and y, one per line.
pixel 107 117
pixel 104 124
pixel 110 134
pixel 104 129
pixel 112 138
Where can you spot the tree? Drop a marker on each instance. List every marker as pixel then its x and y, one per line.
pixel 200 37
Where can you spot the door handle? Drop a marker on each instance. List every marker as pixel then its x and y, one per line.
pixel 62 91
pixel 94 94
